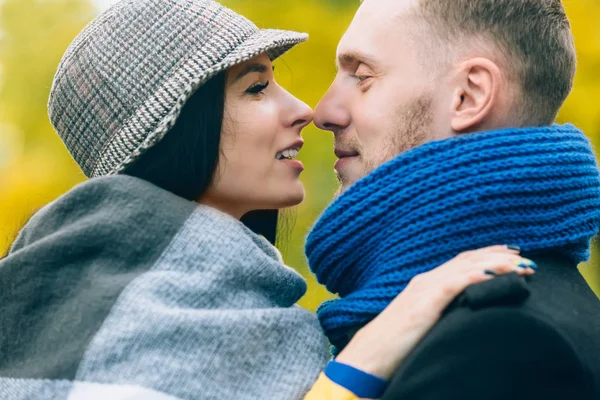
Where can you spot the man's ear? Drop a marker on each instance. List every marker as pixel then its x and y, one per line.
pixel 476 94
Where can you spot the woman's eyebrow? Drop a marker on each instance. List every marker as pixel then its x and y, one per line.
pixel 256 67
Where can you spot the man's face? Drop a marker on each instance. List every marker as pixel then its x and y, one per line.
pixel 381 102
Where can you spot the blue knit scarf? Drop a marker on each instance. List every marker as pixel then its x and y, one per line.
pixel 538 188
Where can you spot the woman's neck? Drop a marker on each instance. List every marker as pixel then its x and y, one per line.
pixel 232 209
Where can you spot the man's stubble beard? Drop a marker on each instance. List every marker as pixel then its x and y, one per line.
pixel 413 127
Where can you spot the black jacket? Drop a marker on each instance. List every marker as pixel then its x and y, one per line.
pixel 511 339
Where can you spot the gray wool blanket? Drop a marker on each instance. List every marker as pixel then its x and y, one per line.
pixel 120 290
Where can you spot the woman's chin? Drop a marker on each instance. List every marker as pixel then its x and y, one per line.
pixel 294 200
pixel 276 197
pixel 291 196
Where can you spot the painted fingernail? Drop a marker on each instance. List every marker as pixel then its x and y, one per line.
pixel 489 272
pixel 527 263
pixel 532 265
pixel 513 247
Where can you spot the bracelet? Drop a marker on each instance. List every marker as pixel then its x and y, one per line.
pixel 362 384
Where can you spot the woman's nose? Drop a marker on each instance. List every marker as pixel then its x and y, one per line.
pixel 301 114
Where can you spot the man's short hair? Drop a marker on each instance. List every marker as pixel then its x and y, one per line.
pixel 534 35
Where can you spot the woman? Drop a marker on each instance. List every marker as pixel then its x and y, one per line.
pixel 143 282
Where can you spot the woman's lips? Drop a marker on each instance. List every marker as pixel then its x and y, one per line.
pixel 296 164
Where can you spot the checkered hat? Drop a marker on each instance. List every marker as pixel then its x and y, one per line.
pixel 123 81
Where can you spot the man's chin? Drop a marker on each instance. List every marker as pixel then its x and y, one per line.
pixel 343 187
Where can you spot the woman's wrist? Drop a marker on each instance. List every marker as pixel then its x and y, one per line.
pixel 366 361
pixel 377 349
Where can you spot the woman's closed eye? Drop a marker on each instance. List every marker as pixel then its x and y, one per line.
pixel 257 88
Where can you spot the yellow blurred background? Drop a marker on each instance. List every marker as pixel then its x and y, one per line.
pixel 35 168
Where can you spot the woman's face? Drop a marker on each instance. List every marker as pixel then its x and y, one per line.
pixel 260 140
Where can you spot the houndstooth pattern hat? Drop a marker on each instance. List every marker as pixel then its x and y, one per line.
pixel 123 81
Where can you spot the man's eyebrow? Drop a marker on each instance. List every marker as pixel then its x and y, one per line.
pixel 257 67
pixel 353 57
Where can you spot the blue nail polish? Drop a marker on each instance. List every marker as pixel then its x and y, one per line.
pixel 526 263
pixel 533 265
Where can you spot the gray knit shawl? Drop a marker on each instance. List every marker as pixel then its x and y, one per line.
pixel 120 290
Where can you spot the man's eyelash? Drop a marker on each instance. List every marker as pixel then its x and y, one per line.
pixel 258 88
pixel 361 78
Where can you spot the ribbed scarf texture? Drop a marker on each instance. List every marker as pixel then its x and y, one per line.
pixel 538 188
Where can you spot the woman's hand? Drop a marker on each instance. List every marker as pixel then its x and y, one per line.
pixel 380 346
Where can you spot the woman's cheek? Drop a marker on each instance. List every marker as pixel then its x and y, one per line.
pixel 263 132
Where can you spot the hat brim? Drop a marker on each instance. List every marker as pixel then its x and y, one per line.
pixel 273 42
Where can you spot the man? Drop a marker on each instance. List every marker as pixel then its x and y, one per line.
pixel 424 79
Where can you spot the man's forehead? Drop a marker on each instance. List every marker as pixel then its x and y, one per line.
pixel 376 25
pixel 385 9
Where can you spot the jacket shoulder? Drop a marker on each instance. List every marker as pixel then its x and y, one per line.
pixel 496 352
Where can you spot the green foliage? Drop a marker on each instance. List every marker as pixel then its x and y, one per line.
pixel 35 168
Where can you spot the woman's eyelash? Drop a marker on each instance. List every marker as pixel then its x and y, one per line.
pixel 258 88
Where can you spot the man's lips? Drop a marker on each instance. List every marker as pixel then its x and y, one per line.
pixel 339 153
pixel 344 157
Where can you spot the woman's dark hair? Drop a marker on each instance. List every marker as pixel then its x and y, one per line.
pixel 184 162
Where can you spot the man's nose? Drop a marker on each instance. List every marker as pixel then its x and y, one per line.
pixel 332 114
